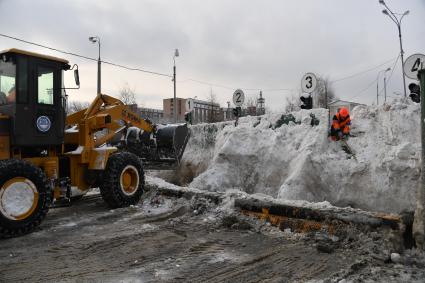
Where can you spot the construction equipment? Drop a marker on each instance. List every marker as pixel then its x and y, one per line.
pixel 45 154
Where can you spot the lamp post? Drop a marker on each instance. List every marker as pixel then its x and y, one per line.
pixel 95 39
pixel 176 54
pixel 397 21
pixel 385 87
pixel 377 85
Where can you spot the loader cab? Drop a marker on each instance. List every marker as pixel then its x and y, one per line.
pixel 32 96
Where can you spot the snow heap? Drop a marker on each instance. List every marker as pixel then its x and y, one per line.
pixel 297 161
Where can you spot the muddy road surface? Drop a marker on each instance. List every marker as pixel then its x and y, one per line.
pixel 165 239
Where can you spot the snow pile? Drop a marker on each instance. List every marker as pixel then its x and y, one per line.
pixel 296 161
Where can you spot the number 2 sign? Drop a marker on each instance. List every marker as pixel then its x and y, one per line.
pixel 309 83
pixel 238 97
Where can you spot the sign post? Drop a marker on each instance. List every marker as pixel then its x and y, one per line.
pixel 238 100
pixel 419 220
pixel 190 105
pixel 413 64
pixel 309 83
pixel 238 97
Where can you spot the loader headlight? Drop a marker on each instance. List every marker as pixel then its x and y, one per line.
pixel 43 124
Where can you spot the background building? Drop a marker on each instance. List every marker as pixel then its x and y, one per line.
pixel 155 115
pixel 206 112
pixel 168 105
pixel 203 111
pixel 335 105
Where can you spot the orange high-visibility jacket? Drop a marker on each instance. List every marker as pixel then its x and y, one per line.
pixel 339 123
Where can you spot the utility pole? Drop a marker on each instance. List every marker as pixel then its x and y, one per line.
pixel 326 104
pixel 176 54
pixel 402 58
pixel 175 98
pixel 212 106
pixel 385 88
pixel 377 94
pixel 95 39
pixel 397 21
pixel 377 84
pixel 419 220
pixel 228 111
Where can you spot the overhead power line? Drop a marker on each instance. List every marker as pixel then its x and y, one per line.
pixel 290 89
pixel 375 80
pixel 363 72
pixel 200 81
pixel 84 57
pixel 234 88
pixel 390 76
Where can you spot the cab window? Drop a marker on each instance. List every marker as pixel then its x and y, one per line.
pixel 7 82
pixel 45 85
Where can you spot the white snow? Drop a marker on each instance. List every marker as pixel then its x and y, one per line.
pixel 73 129
pixel 17 199
pixel 298 161
pixel 77 151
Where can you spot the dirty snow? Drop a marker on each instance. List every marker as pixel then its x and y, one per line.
pixel 297 161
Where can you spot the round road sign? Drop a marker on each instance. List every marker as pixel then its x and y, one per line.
pixel 189 105
pixel 413 64
pixel 238 97
pixel 309 82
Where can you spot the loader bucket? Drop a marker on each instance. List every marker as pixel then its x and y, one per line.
pixel 171 141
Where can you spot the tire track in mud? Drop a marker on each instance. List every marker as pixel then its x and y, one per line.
pixel 170 246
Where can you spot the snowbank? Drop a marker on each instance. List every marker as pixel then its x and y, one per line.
pixel 296 160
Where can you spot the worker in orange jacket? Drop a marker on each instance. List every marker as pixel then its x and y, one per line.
pixel 341 122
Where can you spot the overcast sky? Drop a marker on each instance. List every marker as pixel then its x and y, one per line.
pixel 234 43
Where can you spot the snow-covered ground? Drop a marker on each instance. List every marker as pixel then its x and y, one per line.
pixel 297 161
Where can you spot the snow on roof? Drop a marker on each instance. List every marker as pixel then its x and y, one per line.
pixel 344 102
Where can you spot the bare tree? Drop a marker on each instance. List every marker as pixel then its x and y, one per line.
pixel 324 88
pixel 212 100
pixel 75 106
pixel 293 103
pixel 251 101
pixel 251 105
pixel 127 95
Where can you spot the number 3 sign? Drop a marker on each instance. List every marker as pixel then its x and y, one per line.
pixel 238 97
pixel 309 82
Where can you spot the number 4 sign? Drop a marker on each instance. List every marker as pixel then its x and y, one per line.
pixel 413 64
pixel 238 97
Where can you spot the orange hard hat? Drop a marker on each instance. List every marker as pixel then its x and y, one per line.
pixel 343 112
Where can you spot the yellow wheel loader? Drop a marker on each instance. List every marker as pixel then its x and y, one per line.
pixel 45 155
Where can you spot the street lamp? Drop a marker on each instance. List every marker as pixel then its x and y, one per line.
pixel 397 21
pixel 95 39
pixel 385 85
pixel 176 54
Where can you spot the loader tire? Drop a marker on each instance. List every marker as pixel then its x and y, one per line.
pixel 123 180
pixel 25 197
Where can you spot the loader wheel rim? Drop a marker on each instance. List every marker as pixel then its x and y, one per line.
pixel 129 180
pixel 18 198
